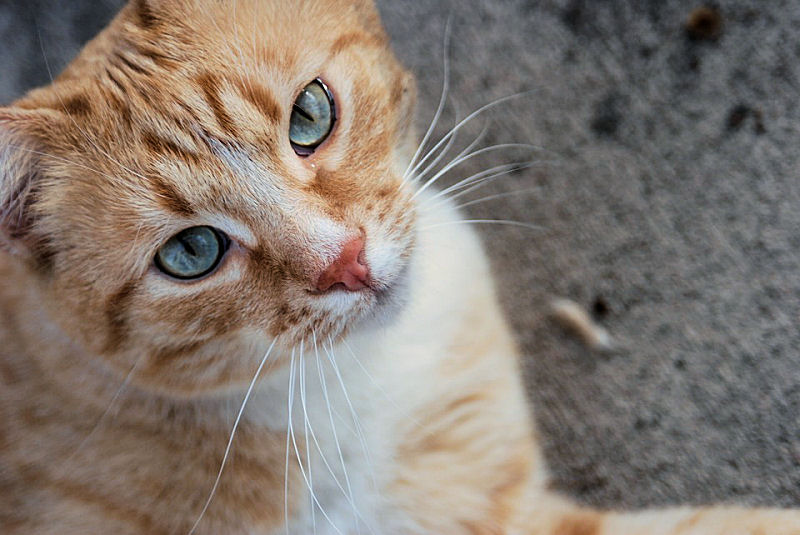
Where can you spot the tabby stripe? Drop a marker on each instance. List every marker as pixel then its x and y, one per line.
pixel 77 105
pixel 116 310
pixel 145 15
pixel 116 82
pixel 168 196
pixel 127 515
pixel 261 99
pixel 209 84
pixel 128 63
pixel 118 104
pixel 158 144
pixel 159 58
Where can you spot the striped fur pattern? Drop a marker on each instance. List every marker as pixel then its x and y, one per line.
pixel 397 410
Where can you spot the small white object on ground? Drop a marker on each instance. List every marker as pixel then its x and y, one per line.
pixel 572 316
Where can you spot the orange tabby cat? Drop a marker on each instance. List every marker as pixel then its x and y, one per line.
pixel 227 307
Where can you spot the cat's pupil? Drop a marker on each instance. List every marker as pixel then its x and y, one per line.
pixel 313 116
pixel 188 246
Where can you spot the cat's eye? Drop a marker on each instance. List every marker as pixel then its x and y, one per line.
pixel 192 253
pixel 313 116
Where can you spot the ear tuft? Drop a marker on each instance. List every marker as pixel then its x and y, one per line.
pixel 20 156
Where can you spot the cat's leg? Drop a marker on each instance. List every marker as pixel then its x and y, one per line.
pixel 554 516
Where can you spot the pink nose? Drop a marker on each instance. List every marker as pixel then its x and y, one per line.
pixel 347 270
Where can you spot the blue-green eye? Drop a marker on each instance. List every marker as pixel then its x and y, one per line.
pixel 192 253
pixel 313 115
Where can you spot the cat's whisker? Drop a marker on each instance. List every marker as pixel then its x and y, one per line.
pixel 442 101
pixel 498 196
pixel 442 153
pixel 306 434
pixel 382 390
pixel 288 442
pixel 353 414
pixel 105 414
pixel 509 222
pixel 315 500
pixel 464 187
pixel 473 182
pixel 232 435
pixel 349 492
pixel 462 159
pixel 464 122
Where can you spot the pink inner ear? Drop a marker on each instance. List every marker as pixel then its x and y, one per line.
pixel 349 269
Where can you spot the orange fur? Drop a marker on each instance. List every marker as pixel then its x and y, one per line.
pixel 177 116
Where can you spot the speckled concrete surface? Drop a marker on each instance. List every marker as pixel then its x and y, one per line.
pixel 669 201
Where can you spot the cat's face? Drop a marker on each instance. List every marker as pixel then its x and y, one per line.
pixel 185 189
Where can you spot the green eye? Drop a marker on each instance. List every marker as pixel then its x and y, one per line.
pixel 313 115
pixel 191 253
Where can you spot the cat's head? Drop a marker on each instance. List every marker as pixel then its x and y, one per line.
pixel 210 175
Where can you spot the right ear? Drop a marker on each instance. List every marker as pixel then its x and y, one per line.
pixel 22 147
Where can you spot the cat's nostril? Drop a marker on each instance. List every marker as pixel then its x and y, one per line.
pixel 349 270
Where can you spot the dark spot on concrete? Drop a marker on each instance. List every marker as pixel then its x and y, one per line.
pixel 758 122
pixel 737 115
pixel 680 364
pixel 607 116
pixel 704 24
pixel 600 308
pixel 571 15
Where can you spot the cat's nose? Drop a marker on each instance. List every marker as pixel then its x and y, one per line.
pixel 349 270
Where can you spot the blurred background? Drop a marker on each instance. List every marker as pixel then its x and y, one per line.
pixel 668 199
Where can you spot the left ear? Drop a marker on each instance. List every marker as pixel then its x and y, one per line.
pixel 370 17
pixel 22 146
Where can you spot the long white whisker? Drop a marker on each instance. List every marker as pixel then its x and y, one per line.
pixel 498 196
pixel 103 416
pixel 442 153
pixel 487 221
pixel 469 156
pixel 232 435
pixel 388 397
pixel 466 149
pixel 473 181
pixel 353 413
pixel 290 400
pixel 466 121
pixel 442 100
pixel 300 461
pixel 349 492
pixel 306 426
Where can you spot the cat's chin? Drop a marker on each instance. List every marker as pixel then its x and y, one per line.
pixel 387 304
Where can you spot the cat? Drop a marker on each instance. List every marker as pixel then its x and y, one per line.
pixel 230 305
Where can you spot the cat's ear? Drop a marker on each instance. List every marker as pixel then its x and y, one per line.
pixel 370 17
pixel 23 134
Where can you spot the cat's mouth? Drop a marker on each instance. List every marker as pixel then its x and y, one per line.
pixel 376 299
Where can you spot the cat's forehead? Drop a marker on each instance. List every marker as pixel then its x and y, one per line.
pixel 286 34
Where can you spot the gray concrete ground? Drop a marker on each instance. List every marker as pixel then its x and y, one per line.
pixel 669 201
